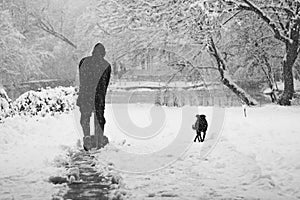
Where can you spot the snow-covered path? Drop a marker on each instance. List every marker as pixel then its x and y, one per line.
pixel 255 157
pixel 27 150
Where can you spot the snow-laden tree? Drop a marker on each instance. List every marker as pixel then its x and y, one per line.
pixel 186 27
pixel 19 60
pixel 48 27
pixel 283 19
pixel 252 52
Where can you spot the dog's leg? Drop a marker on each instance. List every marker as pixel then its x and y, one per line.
pixel 204 133
pixel 195 140
pixel 199 138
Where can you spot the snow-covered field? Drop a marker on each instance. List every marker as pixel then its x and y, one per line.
pixel 253 157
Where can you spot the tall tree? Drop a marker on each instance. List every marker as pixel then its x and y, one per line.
pixel 253 53
pixel 283 19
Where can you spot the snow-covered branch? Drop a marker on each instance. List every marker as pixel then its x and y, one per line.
pixel 286 10
pixel 46 26
pixel 225 76
pixel 252 7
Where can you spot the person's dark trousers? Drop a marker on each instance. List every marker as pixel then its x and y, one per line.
pixel 100 107
pixel 203 138
pixel 85 117
pixel 99 121
pixel 85 120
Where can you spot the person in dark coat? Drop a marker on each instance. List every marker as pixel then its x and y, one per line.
pixel 94 76
pixel 200 126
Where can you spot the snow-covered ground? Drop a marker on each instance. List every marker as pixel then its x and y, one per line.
pixel 28 149
pixel 256 157
pixel 253 157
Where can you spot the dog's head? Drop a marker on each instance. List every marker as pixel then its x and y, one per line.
pixel 200 116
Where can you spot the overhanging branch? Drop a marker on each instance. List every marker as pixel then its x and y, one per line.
pixel 225 77
pixel 252 7
pixel 47 27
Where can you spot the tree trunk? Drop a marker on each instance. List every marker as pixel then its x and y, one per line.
pixel 288 62
pixel 270 77
pixel 225 77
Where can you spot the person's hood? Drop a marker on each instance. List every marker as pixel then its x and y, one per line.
pixel 99 50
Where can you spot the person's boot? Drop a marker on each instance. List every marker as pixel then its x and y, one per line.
pixel 100 139
pixel 87 143
pixel 93 140
pixel 104 141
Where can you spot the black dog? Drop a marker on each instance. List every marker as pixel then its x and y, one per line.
pixel 200 126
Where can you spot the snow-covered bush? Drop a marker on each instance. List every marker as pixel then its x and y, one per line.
pixel 296 100
pixel 5 105
pixel 46 101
